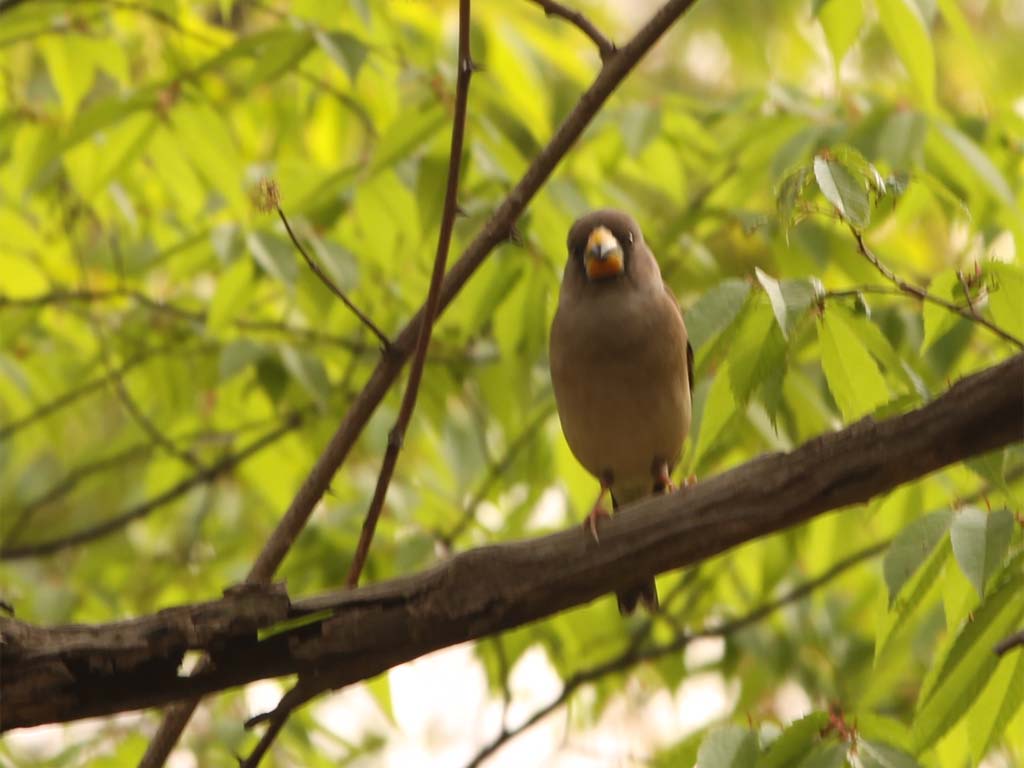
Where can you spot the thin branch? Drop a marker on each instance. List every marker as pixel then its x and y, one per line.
pixel 496 230
pixel 117 522
pixel 430 307
pixel 1009 643
pixel 633 655
pixel 922 295
pixel 605 47
pixel 271 190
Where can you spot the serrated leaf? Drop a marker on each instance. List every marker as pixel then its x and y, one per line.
pixel 980 542
pixel 938 320
pixel 852 374
pixel 728 747
pixel 279 53
pixel 412 129
pixel 841 21
pixel 875 754
pixel 233 290
pixel 794 743
pixel 997 705
pixel 841 188
pixel 956 679
pixel 715 310
pixel 757 357
pixel 1006 297
pixel 882 350
pixel 911 548
pixel 790 299
pixel 907 32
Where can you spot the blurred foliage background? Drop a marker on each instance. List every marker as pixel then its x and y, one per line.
pixel 170 369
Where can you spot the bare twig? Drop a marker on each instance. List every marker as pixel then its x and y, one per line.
pixel 430 307
pixel 495 231
pixel 922 295
pixel 633 654
pixel 117 522
pixel 363 318
pixel 605 47
pixel 1006 644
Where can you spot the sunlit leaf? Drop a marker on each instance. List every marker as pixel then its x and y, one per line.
pixel 846 193
pixel 906 29
pixel 715 310
pixel 728 747
pixel 911 547
pixel 980 542
pixel 852 374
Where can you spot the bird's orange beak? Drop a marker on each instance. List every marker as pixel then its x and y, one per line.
pixel 603 256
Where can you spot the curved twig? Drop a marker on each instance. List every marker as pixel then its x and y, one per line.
pixel 605 47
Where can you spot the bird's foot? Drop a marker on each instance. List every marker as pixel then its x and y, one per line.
pixel 689 481
pixel 591 520
pixel 663 479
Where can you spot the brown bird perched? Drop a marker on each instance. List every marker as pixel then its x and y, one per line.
pixel 622 368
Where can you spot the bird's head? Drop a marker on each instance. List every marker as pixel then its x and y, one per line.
pixel 602 242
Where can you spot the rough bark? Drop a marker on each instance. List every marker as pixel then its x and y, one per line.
pixel 63 673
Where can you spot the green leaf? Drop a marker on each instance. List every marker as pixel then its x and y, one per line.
pixel 715 310
pixel 911 597
pixel 980 542
pixel 233 291
pixel 977 162
pixel 719 410
pixel 794 743
pixel 906 29
pixel 1006 297
pixel 841 20
pixel 380 689
pixel 852 374
pixel 280 52
pixel 308 372
pixel 790 191
pixel 826 756
pixel 957 678
pixel 789 298
pixel 938 321
pixel 412 129
pixel 911 547
pixel 728 747
pixel 757 357
pixel 997 705
pixel 346 51
pixel 275 255
pixel 876 754
pixel 843 190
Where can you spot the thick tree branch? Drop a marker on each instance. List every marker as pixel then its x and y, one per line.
pixel 65 673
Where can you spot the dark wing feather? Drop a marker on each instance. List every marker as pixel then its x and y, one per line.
pixel 689 368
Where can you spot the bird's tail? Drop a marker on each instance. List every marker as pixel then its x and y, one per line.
pixel 644 593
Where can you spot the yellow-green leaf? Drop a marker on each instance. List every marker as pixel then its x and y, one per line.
pixel 852 374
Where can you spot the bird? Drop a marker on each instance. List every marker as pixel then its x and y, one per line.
pixel 621 369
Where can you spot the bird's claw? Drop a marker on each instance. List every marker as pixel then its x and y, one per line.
pixel 591 521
